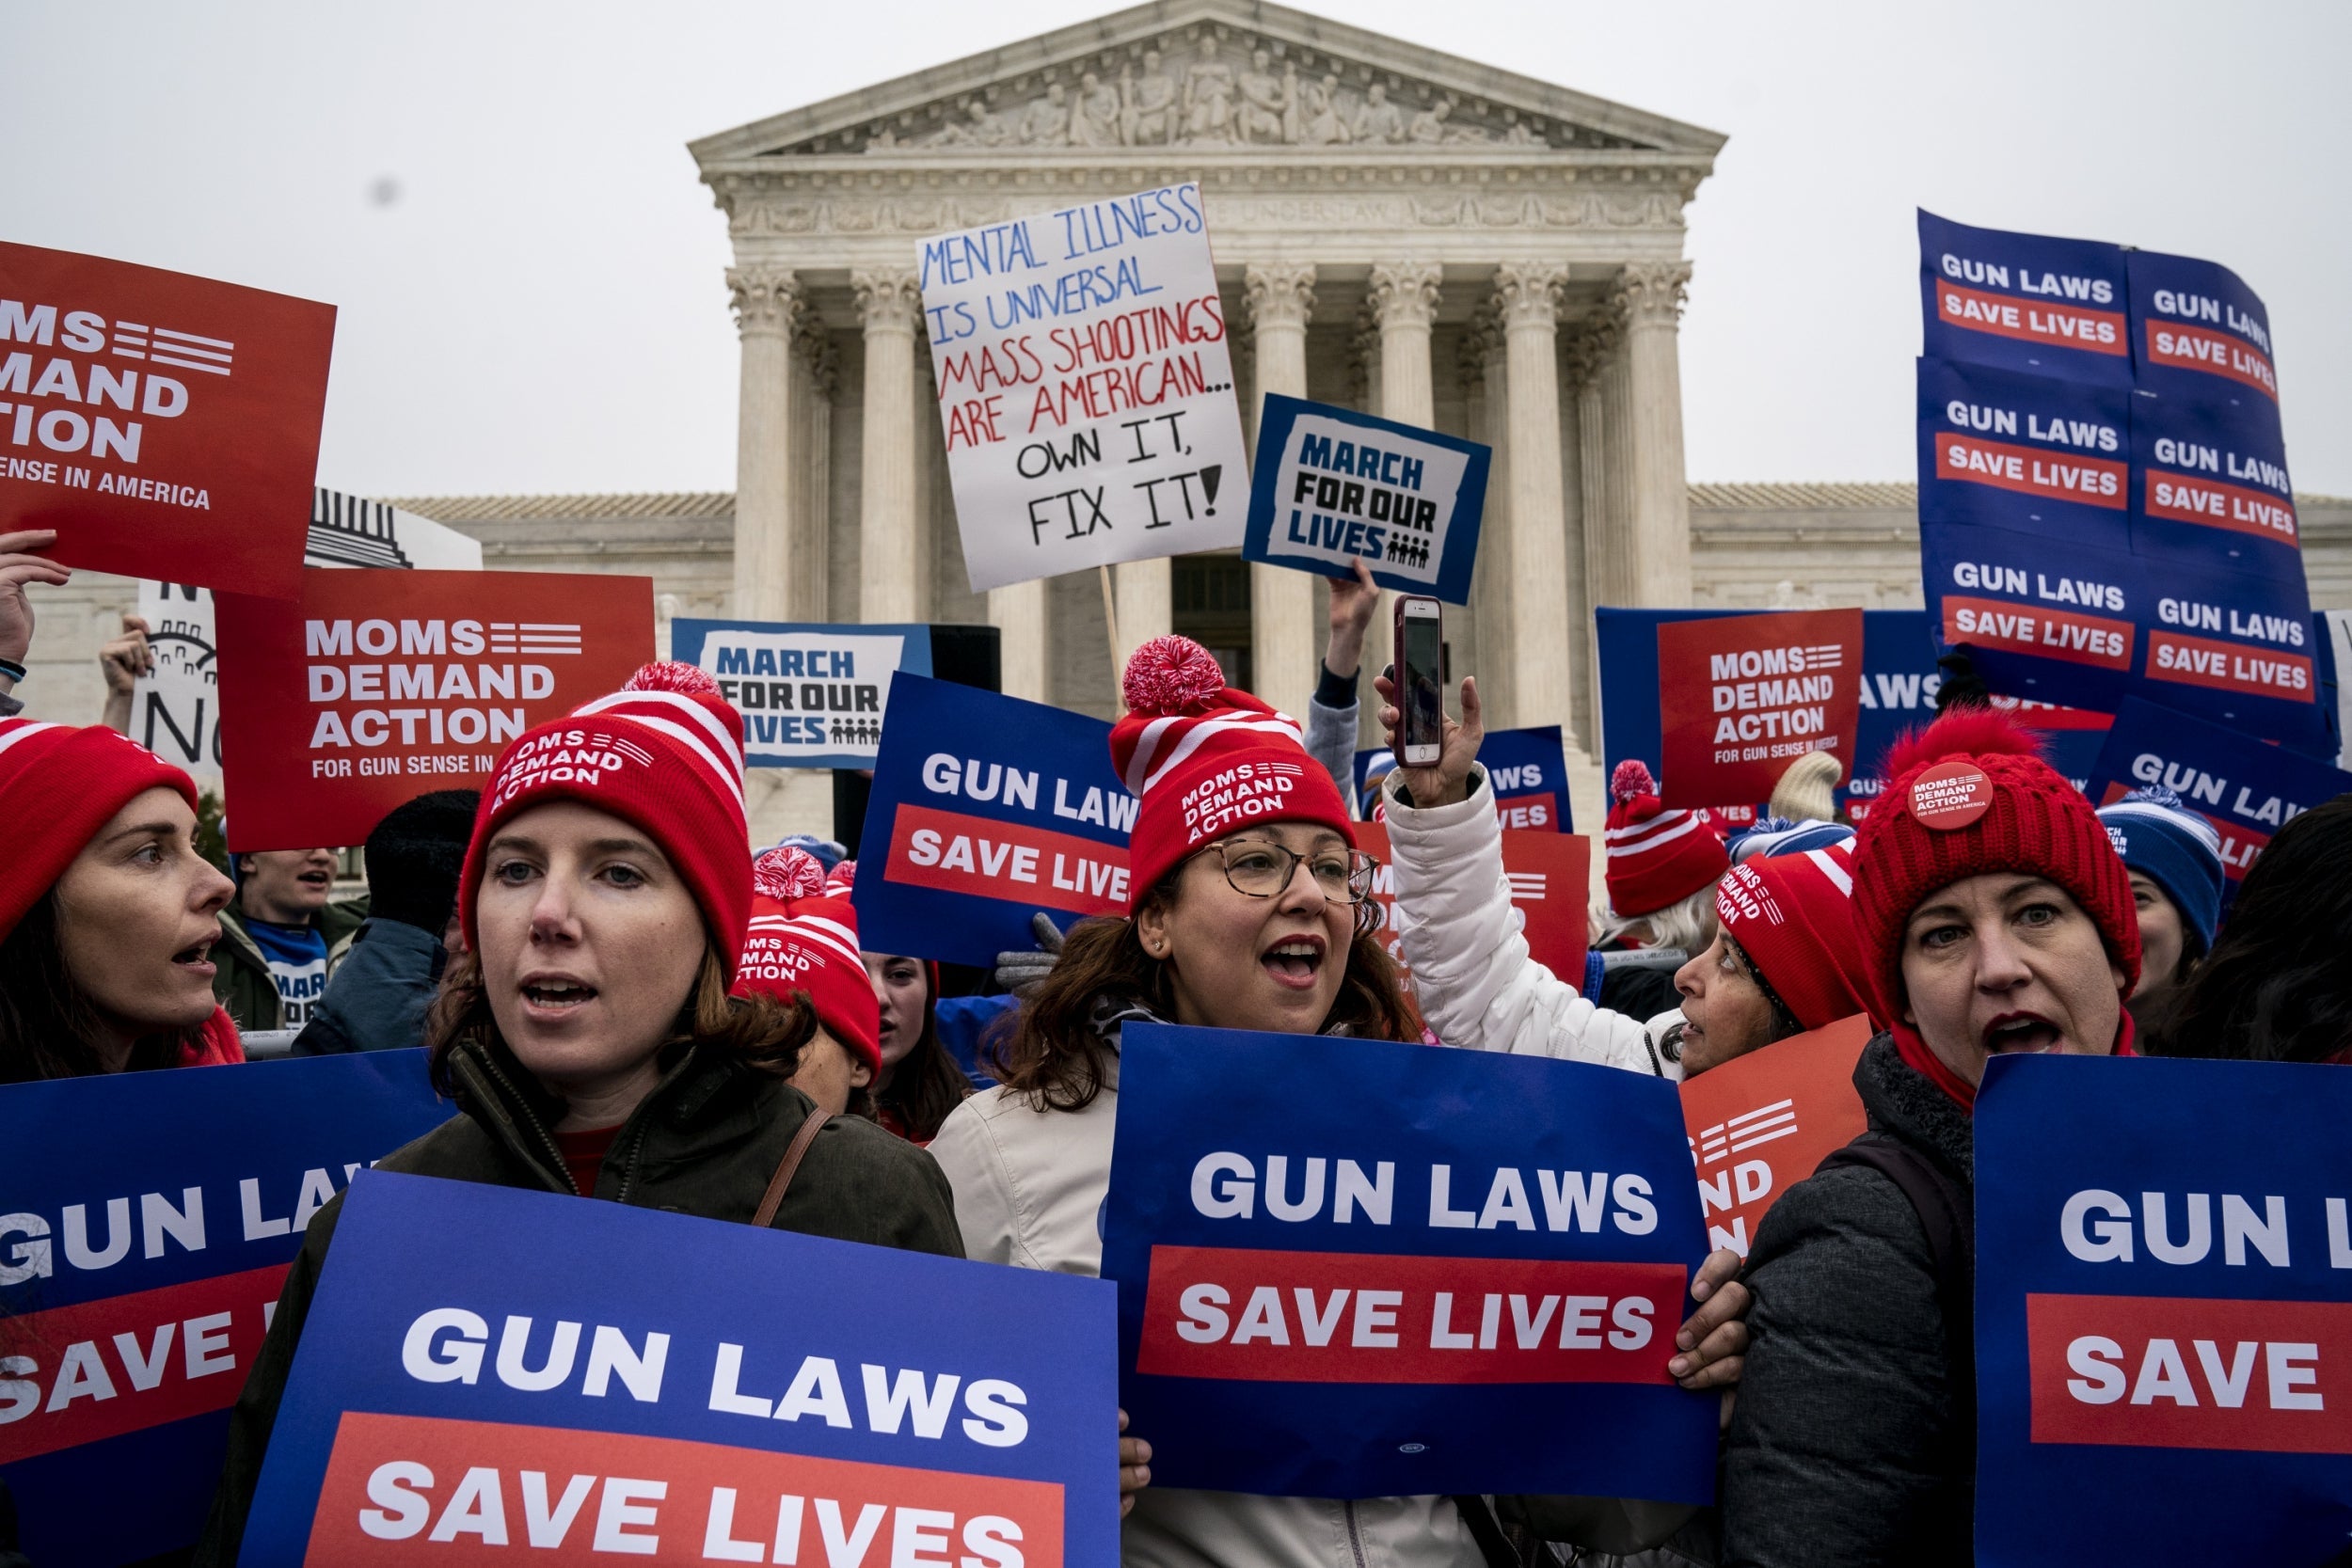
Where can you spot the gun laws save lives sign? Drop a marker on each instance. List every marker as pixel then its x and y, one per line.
pixel 376 687
pixel 1086 386
pixel 147 1220
pixel 596 1382
pixel 166 426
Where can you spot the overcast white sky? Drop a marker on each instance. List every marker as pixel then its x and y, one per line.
pixel 541 309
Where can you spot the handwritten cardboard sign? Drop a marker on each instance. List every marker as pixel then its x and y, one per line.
pixel 811 696
pixel 166 426
pixel 1762 1122
pixel 1086 386
pixel 379 686
pixel 1743 696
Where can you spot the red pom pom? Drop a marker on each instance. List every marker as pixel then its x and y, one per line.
pixel 1631 779
pixel 1962 732
pixel 1172 674
pixel 786 874
pixel 841 879
pixel 668 675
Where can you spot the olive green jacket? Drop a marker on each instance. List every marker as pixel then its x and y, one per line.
pixel 240 978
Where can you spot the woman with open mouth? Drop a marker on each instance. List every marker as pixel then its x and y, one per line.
pixel 1994 917
pixel 108 913
pixel 1251 910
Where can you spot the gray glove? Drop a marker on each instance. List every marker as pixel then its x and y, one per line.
pixel 1021 972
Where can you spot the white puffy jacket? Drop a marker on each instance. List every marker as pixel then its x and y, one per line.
pixel 1476 984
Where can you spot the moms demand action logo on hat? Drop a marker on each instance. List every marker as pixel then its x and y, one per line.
pixel 1242 793
pixel 568 756
pixel 1949 796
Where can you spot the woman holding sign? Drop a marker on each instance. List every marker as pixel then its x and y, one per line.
pixel 1994 918
pixel 1253 912
pixel 587 1032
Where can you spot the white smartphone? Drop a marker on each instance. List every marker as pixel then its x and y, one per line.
pixel 1421 679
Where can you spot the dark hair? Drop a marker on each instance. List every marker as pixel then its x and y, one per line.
pixel 759 1030
pixel 1052 1054
pixel 926 1084
pixel 2276 987
pixel 48 1027
pixel 1785 1023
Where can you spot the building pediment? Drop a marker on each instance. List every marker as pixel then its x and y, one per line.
pixel 1216 78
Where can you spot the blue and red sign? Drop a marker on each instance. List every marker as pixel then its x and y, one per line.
pixel 483 1366
pixel 1527 768
pixel 2212 487
pixel 2198 329
pixel 987 810
pixel 147 1221
pixel 2043 457
pixel 1392 1269
pixel 2024 302
pixel 2164 1312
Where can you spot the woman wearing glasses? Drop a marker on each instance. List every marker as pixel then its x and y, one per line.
pixel 1250 911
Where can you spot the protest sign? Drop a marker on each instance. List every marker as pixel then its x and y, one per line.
pixel 2046 458
pixel 2198 329
pixel 1334 486
pixel 147 1221
pixel 682 1389
pixel 811 695
pixel 2164 1312
pixel 1527 768
pixel 1741 697
pixel 166 426
pixel 175 708
pixel 1086 385
pixel 379 686
pixel 2024 302
pixel 1395 1270
pixel 1548 873
pixel 1760 1123
pixel 2213 487
pixel 987 810
pixel 2246 789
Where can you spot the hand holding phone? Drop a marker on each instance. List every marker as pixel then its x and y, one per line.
pixel 1421 679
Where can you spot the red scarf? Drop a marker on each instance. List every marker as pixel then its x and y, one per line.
pixel 1928 1065
pixel 217 1044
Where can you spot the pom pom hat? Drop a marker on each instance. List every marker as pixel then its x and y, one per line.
pixel 58 785
pixel 1204 759
pixel 665 753
pixel 803 942
pixel 1656 857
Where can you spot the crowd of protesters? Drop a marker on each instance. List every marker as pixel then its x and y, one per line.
pixel 623 1003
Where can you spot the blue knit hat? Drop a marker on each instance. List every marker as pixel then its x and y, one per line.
pixel 2157 835
pixel 1778 835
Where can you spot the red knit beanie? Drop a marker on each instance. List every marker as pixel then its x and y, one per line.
pixel 664 752
pixel 804 942
pixel 1656 857
pixel 1793 916
pixel 58 785
pixel 1969 795
pixel 1204 759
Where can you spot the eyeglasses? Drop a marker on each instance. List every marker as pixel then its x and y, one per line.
pixel 1262 870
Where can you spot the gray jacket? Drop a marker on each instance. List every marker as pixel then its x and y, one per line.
pixel 1846 1447
pixel 376 997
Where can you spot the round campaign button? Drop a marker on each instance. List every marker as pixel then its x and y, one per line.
pixel 1950 795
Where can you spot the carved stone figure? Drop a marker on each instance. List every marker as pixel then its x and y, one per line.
pixel 1095 120
pixel 1265 102
pixel 1378 121
pixel 1147 104
pixel 978 127
pixel 1428 127
pixel 1320 123
pixel 1208 98
pixel 1046 121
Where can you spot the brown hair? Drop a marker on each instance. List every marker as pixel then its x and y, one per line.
pixel 1050 1053
pixel 48 1027
pixel 759 1030
pixel 926 1084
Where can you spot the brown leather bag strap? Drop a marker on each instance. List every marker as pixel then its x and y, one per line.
pixel 772 1199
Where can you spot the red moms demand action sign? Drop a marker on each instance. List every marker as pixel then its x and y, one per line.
pixel 379 686
pixel 1742 696
pixel 166 426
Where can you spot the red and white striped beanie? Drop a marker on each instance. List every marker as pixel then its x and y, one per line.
pixel 1204 759
pixel 803 942
pixel 1793 916
pixel 664 752
pixel 58 785
pixel 1657 857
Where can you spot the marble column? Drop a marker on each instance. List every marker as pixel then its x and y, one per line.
pixel 1402 299
pixel 1528 295
pixel 1019 614
pixel 890 548
pixel 1144 592
pixel 1486 380
pixel 1650 295
pixel 816 378
pixel 767 305
pixel 1591 348
pixel 1284 646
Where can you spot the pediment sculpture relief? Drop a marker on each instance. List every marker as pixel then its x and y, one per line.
pixel 1208 92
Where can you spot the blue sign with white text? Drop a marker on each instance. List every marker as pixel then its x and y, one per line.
pixel 630 1381
pixel 811 695
pixel 2024 302
pixel 147 1221
pixel 2164 1312
pixel 2197 330
pixel 1398 1269
pixel 1527 768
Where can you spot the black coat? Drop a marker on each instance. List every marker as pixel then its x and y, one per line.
pixel 1847 1446
pixel 704 1142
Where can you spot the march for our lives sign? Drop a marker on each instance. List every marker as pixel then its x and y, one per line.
pixel 1528 770
pixel 811 695
pixel 1391 1269
pixel 2164 1312
pixel 482 1367
pixel 1334 486
pixel 987 811
pixel 147 1221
